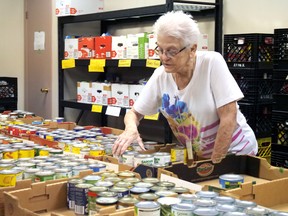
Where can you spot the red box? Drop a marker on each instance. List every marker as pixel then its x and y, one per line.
pixel 103 47
pixel 86 47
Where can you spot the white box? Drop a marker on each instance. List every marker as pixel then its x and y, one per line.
pixel 203 42
pixel 83 92
pixel 120 95
pixel 71 48
pixel 134 92
pixel 78 7
pixel 151 46
pixel 132 46
pixel 101 93
pixel 119 48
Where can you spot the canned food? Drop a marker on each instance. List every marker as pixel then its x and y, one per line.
pixel 6 166
pixel 55 151
pixel 108 174
pixel 205 212
pixel 30 173
pixel 97 151
pixel 143 184
pixel 76 170
pixel 179 154
pixel 124 184
pixel 44 151
pixel 150 180
pixel 91 179
pixel 113 179
pixel 166 193
pixel 105 201
pixel 71 188
pixel 243 204
pixel 26 152
pixel 126 174
pixel 157 188
pixel 144 208
pixel 183 209
pixel 104 183
pixel 63 173
pixel 148 196
pixel 97 167
pixel 166 184
pixel 230 180
pixel 128 158
pixel 10 153
pixel 145 159
pixel 121 192
pixel 180 190
pixel 223 208
pixel 127 201
pixel 139 190
pixel 207 194
pixel 131 180
pixel 205 203
pixel 8 178
pixel 26 165
pixel 150 145
pixel 224 200
pixel 187 198
pixel 44 176
pixel 108 194
pixel 162 158
pixel 81 198
pixel 166 204
pixel 92 195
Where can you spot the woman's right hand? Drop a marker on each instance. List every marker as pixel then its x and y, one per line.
pixel 124 140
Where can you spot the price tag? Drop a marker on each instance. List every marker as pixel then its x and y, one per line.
pixel 152 63
pixel 68 63
pixel 113 111
pixel 96 68
pixel 96 108
pixel 124 63
pixel 98 62
pixel 154 117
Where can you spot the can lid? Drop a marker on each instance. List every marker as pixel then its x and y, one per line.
pixel 139 190
pixel 143 184
pixel 150 180
pixel 184 206
pixel 128 200
pixel 169 200
pixel 107 194
pixel 148 196
pixel 147 205
pixel 205 212
pixel 106 200
pixel 165 193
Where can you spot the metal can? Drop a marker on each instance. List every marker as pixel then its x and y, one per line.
pixel 10 153
pixel 187 198
pixel 76 170
pixel 183 209
pixel 113 179
pixel 124 184
pixel 44 176
pixel 207 194
pixel 131 180
pixel 92 195
pixel 81 198
pixel 44 151
pixel 104 183
pixel 105 201
pixel 126 174
pixel 180 190
pixel 55 151
pixel 243 204
pixel 143 184
pixel 230 180
pixel 121 192
pixel 205 203
pixel 63 173
pixel 97 151
pixel 166 184
pixel 8 178
pixel 26 152
pixel 224 200
pixel 144 208
pixel 91 179
pixel 126 202
pixel 145 159
pixel 97 167
pixel 205 212
pixel 166 193
pixel 162 158
pixel 179 154
pixel 26 165
pixel 150 180
pixel 6 166
pixel 223 208
pixel 30 173
pixel 148 197
pixel 76 148
pixel 139 190
pixel 128 158
pixel 71 188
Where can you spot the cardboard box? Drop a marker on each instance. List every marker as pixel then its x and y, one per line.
pixel 103 47
pixel 42 198
pixel 101 93
pixel 119 47
pixel 134 92
pixel 83 91
pixel 143 41
pixel 86 47
pixel 203 42
pixel 272 194
pixel 151 46
pixel 256 168
pixel 78 7
pixel 120 95
pixel 132 46
pixel 71 48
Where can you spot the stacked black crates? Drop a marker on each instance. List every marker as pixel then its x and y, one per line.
pixel 8 93
pixel 279 156
pixel 250 60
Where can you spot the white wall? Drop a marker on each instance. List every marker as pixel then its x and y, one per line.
pixel 12 43
pixel 239 16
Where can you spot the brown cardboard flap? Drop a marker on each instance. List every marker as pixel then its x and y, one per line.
pixel 270 172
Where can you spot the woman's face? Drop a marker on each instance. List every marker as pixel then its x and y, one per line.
pixel 174 56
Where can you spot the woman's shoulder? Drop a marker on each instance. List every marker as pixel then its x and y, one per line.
pixel 209 54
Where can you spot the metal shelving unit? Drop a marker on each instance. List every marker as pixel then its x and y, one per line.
pixel 197 8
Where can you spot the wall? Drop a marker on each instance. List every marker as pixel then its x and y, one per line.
pixel 12 43
pixel 240 16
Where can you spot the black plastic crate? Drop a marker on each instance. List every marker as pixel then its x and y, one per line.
pixel 280 82
pixel 279 155
pixel 280 127
pixel 281 48
pixel 8 88
pixel 259 117
pixel 8 105
pixel 252 73
pixel 249 50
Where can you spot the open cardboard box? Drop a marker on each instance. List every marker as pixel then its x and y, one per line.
pixel 59 125
pixel 205 173
pixel 48 199
pixel 271 194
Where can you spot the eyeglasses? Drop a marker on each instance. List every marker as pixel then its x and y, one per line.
pixel 169 53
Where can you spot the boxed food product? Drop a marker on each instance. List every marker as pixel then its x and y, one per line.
pixel 83 91
pixel 103 47
pixel 78 7
pixel 120 95
pixel 119 49
pixel 71 48
pixel 134 92
pixel 86 47
pixel 101 93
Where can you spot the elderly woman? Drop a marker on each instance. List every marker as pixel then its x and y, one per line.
pixel 196 93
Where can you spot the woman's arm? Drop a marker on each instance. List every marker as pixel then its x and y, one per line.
pixel 130 134
pixel 228 123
